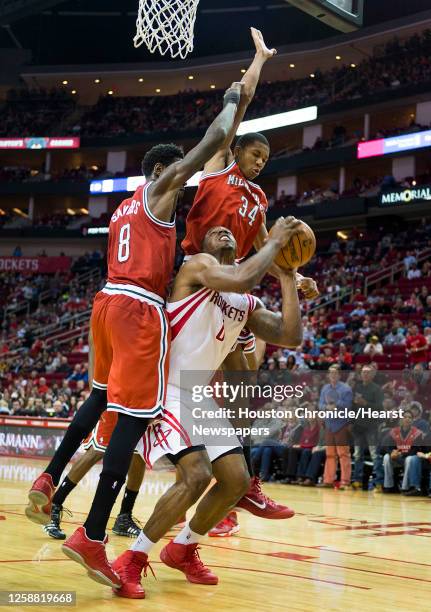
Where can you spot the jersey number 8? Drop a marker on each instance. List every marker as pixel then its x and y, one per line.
pixel 124 243
pixel 243 211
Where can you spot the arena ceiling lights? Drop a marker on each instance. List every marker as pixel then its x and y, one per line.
pixel 271 122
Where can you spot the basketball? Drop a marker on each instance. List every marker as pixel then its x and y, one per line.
pixel 299 250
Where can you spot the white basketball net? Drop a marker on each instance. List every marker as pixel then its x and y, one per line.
pixel 166 25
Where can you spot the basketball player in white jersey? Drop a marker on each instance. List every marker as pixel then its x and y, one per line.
pixel 208 308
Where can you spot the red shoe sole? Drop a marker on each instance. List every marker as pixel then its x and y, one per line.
pixel 92 573
pixel 122 592
pixel 167 560
pixel 34 512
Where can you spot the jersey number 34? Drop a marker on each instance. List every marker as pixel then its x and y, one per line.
pixel 243 211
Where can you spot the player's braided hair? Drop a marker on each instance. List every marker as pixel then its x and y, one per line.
pixel 164 154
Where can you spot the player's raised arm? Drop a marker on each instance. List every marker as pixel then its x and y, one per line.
pixel 250 80
pixel 283 329
pixel 175 176
pixel 205 270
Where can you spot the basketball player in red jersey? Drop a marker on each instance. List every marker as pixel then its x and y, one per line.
pixel 227 196
pixel 131 335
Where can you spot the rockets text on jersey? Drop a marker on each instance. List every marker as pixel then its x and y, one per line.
pixel 141 248
pixel 226 199
pixel 204 328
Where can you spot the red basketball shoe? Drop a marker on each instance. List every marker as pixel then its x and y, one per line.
pixel 129 567
pixel 185 557
pixel 226 527
pixel 257 503
pixel 39 497
pixel 91 554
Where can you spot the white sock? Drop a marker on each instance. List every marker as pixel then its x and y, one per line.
pixel 187 536
pixel 142 544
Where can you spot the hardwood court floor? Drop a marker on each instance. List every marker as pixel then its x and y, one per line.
pixel 342 551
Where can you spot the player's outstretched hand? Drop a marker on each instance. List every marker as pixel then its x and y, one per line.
pixel 233 93
pixel 261 48
pixel 283 230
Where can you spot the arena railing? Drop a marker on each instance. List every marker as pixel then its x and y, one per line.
pixel 391 272
pixel 89 276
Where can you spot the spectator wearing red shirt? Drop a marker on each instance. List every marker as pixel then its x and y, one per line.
pixel 344 358
pixel 42 387
pixel 416 346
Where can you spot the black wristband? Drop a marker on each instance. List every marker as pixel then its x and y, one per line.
pixel 231 96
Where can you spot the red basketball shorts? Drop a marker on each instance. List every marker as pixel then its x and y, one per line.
pixel 131 344
pixel 101 435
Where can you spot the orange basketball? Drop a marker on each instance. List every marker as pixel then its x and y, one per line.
pixel 299 250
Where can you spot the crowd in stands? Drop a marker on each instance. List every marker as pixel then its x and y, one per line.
pixel 303 443
pixel 43 356
pixel 31 304
pixel 26 174
pixel 400 64
pixel 35 112
pixel 361 187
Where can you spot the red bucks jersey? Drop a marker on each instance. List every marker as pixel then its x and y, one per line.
pixel 226 198
pixel 141 249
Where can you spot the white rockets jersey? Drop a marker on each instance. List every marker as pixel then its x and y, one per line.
pixel 204 327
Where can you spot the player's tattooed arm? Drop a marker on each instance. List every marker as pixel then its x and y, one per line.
pixel 281 329
pixel 224 156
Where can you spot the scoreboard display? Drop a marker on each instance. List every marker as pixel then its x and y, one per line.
pixel 342 15
pixel 351 10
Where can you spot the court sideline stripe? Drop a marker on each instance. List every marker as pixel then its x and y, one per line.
pixel 228 567
pixel 320 548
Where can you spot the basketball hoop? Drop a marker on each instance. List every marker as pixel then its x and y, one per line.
pixel 166 25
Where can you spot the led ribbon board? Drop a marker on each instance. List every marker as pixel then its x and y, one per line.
pixel 395 144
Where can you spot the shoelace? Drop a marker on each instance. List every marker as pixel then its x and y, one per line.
pixel 57 515
pixel 194 561
pixel 66 511
pixel 147 565
pixel 136 567
pixel 258 489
